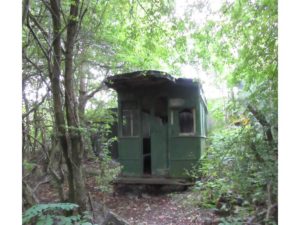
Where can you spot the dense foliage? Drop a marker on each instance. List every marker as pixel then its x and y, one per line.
pixel 241 161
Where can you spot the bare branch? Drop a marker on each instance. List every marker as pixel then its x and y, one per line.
pixel 39 70
pixel 45 34
pixel 28 194
pixel 44 148
pixel 38 41
pixel 35 107
pixel 90 95
pixel 46 180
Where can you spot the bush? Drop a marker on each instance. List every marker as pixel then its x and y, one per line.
pixel 239 165
pixel 109 169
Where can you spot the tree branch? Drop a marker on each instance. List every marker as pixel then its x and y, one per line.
pixel 38 69
pixel 28 194
pixel 46 180
pixel 25 10
pixel 262 120
pixel 38 41
pixel 45 34
pixel 35 107
pixel 91 94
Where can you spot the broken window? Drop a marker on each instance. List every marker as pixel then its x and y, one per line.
pixel 146 124
pixel 186 121
pixel 161 110
pixel 129 119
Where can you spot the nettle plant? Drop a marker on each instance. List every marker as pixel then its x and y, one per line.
pixel 54 213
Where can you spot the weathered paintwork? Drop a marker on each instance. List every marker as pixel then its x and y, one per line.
pixel 171 152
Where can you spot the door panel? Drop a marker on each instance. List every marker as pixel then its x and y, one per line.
pixel 130 156
pixel 159 149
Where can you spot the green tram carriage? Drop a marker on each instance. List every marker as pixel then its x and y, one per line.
pixel 162 126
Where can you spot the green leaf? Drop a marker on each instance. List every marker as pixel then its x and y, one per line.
pixel 45 220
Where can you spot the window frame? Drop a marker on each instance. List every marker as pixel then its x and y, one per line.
pixel 193 133
pixel 131 111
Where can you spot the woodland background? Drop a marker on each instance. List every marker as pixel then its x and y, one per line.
pixel 256 89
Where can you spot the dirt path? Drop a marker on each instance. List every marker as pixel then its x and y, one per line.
pixel 142 208
pixel 153 209
pixel 156 210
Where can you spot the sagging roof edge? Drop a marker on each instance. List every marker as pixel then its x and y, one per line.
pixel 110 81
pixel 149 73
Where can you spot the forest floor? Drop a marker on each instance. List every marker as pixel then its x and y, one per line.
pixel 141 208
pixel 144 209
pixel 154 208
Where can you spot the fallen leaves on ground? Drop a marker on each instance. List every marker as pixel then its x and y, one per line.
pixel 149 209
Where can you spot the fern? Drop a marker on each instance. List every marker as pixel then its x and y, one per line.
pixel 45 220
pixel 44 214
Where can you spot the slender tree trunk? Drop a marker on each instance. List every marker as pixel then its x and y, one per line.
pixel 23 141
pixel 71 110
pixel 56 93
pixel 82 93
pixel 25 10
pixel 262 120
pixel 81 109
pixel 35 130
pixel 25 123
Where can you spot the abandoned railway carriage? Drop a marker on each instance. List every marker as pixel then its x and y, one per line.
pixel 161 124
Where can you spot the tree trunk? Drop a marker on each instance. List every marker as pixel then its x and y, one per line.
pixel 81 110
pixel 25 10
pixel 28 195
pixel 26 122
pixel 262 120
pixel 56 91
pixel 82 94
pixel 72 113
pixel 35 130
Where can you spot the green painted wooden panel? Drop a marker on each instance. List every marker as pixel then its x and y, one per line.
pixel 130 156
pixel 129 148
pixel 131 167
pixel 203 146
pixel 159 150
pixel 178 168
pixel 202 120
pixel 184 153
pixel 185 148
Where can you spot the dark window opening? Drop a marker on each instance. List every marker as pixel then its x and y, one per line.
pixel 146 115
pixel 147 156
pixel 161 110
pixel 186 121
pixel 126 123
pixel 146 124
pixel 146 104
pixel 129 119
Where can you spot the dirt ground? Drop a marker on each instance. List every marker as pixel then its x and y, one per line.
pixel 152 208
pixel 139 208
